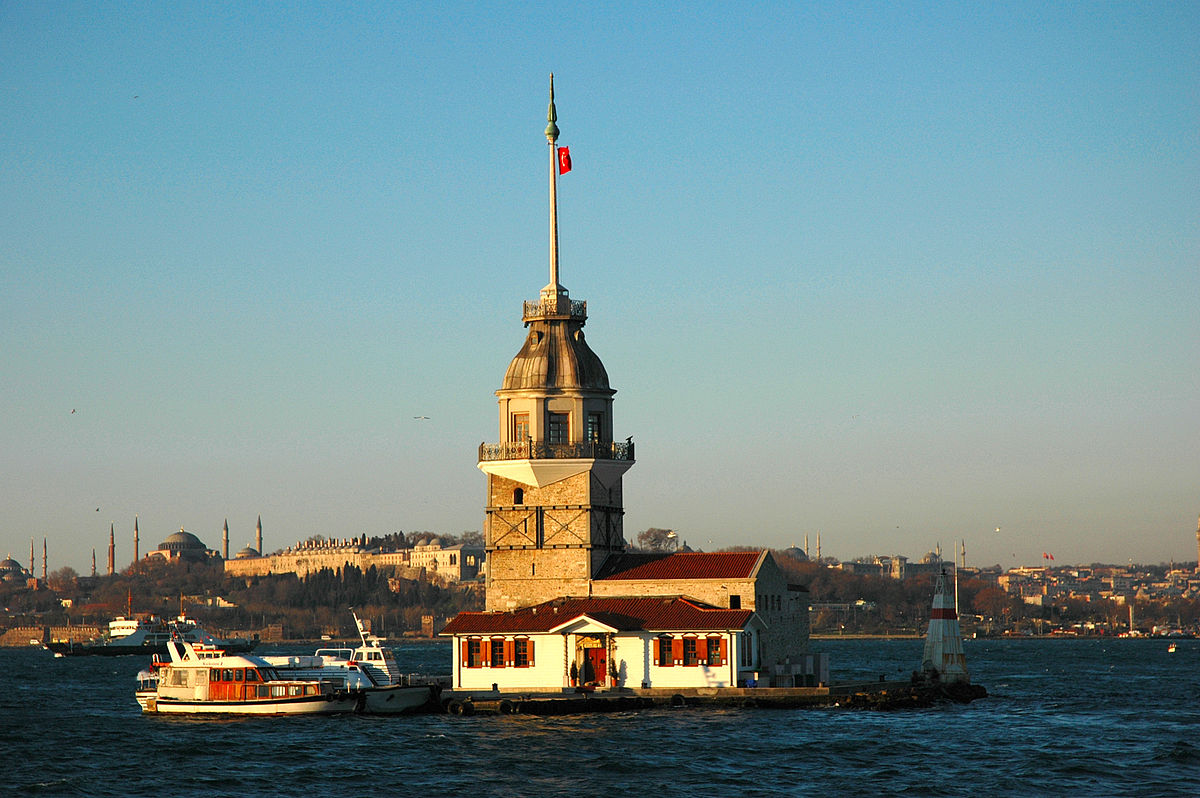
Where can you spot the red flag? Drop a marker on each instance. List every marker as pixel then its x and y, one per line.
pixel 564 160
pixel 1052 556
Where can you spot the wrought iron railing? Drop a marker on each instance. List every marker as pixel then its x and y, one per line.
pixel 542 308
pixel 541 450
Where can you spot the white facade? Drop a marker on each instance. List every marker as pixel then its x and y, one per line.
pixel 627 658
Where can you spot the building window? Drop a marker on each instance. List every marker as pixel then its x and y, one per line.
pixel 522 653
pixel 519 496
pixel 689 651
pixel 747 646
pixel 664 651
pixel 497 659
pixel 473 653
pixel 735 602
pixel 558 430
pixel 594 427
pixel 714 651
pixel 520 427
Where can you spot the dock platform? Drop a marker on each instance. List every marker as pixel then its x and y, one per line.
pixel 862 695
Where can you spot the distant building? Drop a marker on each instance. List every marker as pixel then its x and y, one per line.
pixel 182 545
pixel 448 565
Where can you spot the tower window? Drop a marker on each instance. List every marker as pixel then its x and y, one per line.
pixel 558 430
pixel 594 424
pixel 519 496
pixel 520 427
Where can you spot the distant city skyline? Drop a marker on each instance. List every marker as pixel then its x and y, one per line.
pixel 900 274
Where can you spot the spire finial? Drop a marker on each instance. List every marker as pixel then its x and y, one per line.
pixel 551 116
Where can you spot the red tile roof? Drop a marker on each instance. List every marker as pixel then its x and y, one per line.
pixel 655 614
pixel 682 565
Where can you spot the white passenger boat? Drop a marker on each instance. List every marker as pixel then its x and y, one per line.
pixel 369 670
pixel 145 636
pixel 204 679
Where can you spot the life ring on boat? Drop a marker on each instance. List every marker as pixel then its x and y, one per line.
pixel 678 700
pixel 454 707
pixel 506 707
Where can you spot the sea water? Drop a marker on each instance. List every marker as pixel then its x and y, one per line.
pixel 1092 717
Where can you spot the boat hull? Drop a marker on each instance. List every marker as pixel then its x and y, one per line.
pixel 395 699
pixel 305 705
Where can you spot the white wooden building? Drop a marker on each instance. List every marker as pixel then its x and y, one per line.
pixel 605 643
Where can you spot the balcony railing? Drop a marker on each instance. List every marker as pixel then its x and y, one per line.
pixel 541 450
pixel 545 308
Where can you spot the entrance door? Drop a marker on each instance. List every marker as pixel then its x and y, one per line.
pixel 596 666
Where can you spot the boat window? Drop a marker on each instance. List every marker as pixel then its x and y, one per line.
pixel 251 675
pixel 239 675
pixel 214 675
pixel 374 655
pixel 227 675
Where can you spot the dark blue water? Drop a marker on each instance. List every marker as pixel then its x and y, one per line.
pixel 1076 717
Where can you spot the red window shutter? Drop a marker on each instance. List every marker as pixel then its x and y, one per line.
pixel 724 654
pixel 677 650
pixel 529 648
pixel 508 654
pixel 466 654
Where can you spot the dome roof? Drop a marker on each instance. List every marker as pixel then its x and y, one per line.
pixel 10 564
pixel 182 540
pixel 247 553
pixel 555 355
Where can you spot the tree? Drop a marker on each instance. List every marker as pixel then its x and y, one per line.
pixel 62 579
pixel 655 539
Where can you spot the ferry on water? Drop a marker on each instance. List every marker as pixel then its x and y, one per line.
pixel 146 636
pixel 368 669
pixel 205 680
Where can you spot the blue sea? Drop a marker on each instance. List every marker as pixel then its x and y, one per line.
pixel 1064 717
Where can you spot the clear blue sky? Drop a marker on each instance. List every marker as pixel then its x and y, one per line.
pixel 897 273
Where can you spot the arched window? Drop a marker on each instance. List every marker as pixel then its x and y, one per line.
pixel 519 496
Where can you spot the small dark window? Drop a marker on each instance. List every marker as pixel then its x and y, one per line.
pixel 594 424
pixel 497 654
pixel 521 653
pixel 473 653
pixel 519 496
pixel 559 428
pixel 689 651
pixel 735 602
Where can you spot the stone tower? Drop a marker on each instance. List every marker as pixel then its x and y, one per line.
pixel 554 505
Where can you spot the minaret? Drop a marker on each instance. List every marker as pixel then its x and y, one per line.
pixel 43 559
pixel 93 561
pixel 135 540
pixel 1198 545
pixel 32 562
pixel 258 536
pixel 554 497
pixel 225 541
pixel 112 549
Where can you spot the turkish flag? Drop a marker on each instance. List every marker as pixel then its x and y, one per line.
pixel 564 160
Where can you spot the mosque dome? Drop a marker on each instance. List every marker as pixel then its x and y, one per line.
pixel 555 355
pixel 182 541
pixel 9 564
pixel 247 553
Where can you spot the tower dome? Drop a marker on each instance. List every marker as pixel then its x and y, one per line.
pixel 555 355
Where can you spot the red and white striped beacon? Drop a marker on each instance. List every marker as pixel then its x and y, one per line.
pixel 943 658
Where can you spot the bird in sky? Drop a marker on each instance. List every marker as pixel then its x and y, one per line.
pixel 421 418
